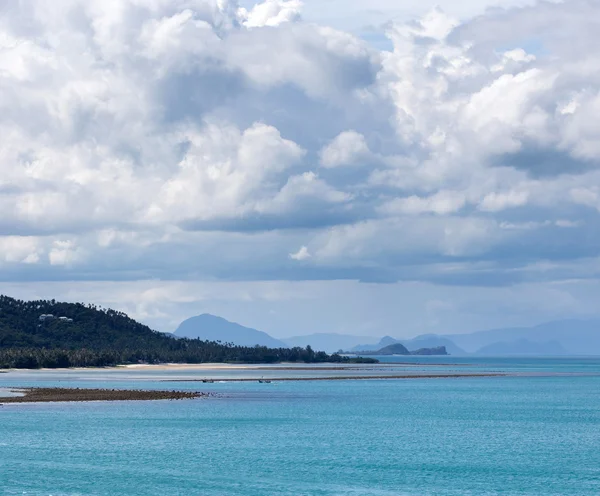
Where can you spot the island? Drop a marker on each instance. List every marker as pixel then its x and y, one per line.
pixel 400 349
pixel 51 334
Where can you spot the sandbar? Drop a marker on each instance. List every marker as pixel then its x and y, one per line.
pixel 47 395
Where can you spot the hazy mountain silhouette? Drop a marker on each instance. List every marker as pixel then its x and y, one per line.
pixel 523 347
pixel 394 349
pixel 383 342
pixel 576 337
pixel 400 349
pixel 433 341
pixel 212 328
pixel 423 341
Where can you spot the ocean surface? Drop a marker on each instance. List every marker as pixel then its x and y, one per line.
pixel 535 432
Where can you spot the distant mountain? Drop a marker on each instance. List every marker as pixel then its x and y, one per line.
pixel 436 351
pixel 523 347
pixel 576 337
pixel 400 349
pixel 212 328
pixel 329 342
pixel 423 341
pixel 434 341
pixel 384 341
pixel 394 349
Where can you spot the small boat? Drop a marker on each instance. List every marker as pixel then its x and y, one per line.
pixel 209 381
pixel 264 381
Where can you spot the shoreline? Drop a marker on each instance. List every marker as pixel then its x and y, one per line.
pixel 140 367
pixel 165 367
pixel 63 395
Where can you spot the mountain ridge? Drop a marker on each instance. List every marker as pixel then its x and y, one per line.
pixel 569 336
pixel 576 336
pixel 210 327
pixel 400 349
pixel 523 347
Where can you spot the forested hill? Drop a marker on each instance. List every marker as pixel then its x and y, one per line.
pixel 51 324
pixel 52 334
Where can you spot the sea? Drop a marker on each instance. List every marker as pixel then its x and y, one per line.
pixel 534 431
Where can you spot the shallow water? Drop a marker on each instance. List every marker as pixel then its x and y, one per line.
pixel 526 435
pixel 8 393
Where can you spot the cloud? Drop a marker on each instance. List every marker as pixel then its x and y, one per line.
pixel 347 148
pixel 494 202
pixel 17 249
pixel 271 13
pixel 225 172
pixel 443 202
pixel 201 139
pixel 301 254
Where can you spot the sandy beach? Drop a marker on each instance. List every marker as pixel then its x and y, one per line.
pixel 188 366
pixel 165 367
pixel 150 367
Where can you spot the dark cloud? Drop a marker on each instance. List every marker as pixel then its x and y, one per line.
pixel 541 162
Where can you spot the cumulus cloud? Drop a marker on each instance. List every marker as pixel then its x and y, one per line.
pixel 271 13
pixel 494 202
pixel 301 254
pixel 213 141
pixel 17 249
pixel 443 202
pixel 347 148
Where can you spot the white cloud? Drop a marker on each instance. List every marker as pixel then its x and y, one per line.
pixel 301 254
pixel 347 148
pixel 305 189
pixel 271 13
pixel 195 138
pixel 494 202
pixel 224 173
pixel 19 249
pixel 568 223
pixel 64 252
pixel 513 60
pixel 442 203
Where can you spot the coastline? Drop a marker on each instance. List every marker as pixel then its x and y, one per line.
pixel 150 367
pixel 165 367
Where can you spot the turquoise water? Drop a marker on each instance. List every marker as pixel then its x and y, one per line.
pixel 526 435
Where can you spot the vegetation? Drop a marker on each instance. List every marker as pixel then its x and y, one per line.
pixel 400 349
pixel 90 336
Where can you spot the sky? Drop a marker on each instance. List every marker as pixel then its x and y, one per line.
pixel 369 168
